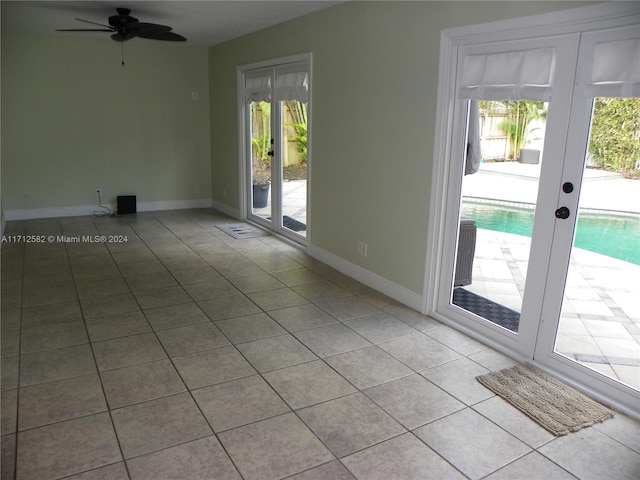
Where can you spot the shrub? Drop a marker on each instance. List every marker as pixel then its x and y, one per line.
pixel 615 134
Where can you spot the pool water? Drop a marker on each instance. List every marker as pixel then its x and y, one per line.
pixel 617 237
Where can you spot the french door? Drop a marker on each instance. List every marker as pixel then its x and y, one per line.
pixel 521 293
pixel 593 297
pixel 276 146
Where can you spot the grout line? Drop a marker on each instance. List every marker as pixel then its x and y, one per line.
pixel 326 276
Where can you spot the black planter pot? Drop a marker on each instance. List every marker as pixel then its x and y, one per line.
pixel 260 195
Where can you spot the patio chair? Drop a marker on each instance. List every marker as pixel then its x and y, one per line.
pixel 465 253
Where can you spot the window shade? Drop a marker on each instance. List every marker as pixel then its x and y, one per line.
pixel 257 89
pixel 292 86
pixel 516 75
pixel 616 69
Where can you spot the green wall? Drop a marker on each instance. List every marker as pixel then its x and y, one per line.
pixel 374 87
pixel 73 120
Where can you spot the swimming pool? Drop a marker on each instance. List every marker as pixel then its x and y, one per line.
pixel 617 237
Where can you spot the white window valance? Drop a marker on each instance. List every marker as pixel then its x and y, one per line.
pixel 288 86
pixel 515 75
pixel 616 69
pixel 292 86
pixel 257 89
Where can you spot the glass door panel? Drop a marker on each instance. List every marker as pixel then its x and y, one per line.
pixel 261 158
pixel 600 313
pixel 294 167
pixel 276 100
pixel 556 248
pixel 497 208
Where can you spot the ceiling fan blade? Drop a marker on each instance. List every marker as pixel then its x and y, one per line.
pixel 141 27
pixel 166 36
pixel 83 30
pixel 124 27
pixel 95 23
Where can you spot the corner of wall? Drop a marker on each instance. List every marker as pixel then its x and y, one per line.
pixel 226 209
pixel 391 289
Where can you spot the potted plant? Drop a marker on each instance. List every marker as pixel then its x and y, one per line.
pixel 261 176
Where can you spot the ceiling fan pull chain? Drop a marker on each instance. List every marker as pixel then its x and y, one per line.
pixel 122 52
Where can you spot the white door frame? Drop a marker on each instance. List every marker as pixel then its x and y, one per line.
pixel 245 153
pixel 441 229
pixel 566 47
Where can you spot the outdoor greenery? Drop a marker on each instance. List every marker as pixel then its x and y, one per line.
pixel 298 115
pixel 516 126
pixel 615 130
pixel 615 135
pixel 261 171
pixel 261 136
pixel 261 121
pixel 261 141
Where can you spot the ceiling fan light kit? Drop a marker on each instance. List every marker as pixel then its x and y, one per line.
pixel 124 27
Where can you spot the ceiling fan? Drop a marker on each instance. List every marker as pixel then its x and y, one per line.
pixel 124 27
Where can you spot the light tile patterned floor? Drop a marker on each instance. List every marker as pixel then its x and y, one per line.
pixel 186 354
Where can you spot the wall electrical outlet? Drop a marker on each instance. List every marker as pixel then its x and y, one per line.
pixel 362 249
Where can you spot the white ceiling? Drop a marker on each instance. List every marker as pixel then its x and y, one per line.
pixel 203 23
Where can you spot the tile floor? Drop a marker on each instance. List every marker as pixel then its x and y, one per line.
pixel 186 354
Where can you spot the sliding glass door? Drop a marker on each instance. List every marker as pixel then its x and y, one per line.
pixel 276 146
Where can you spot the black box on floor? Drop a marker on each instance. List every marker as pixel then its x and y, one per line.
pixel 126 204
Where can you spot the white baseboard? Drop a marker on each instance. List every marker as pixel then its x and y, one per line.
pixel 80 210
pixel 173 205
pixel 34 213
pixel 373 280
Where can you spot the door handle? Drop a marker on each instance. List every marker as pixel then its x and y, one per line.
pixel 563 213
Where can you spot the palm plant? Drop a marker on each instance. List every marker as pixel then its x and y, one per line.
pixel 521 114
